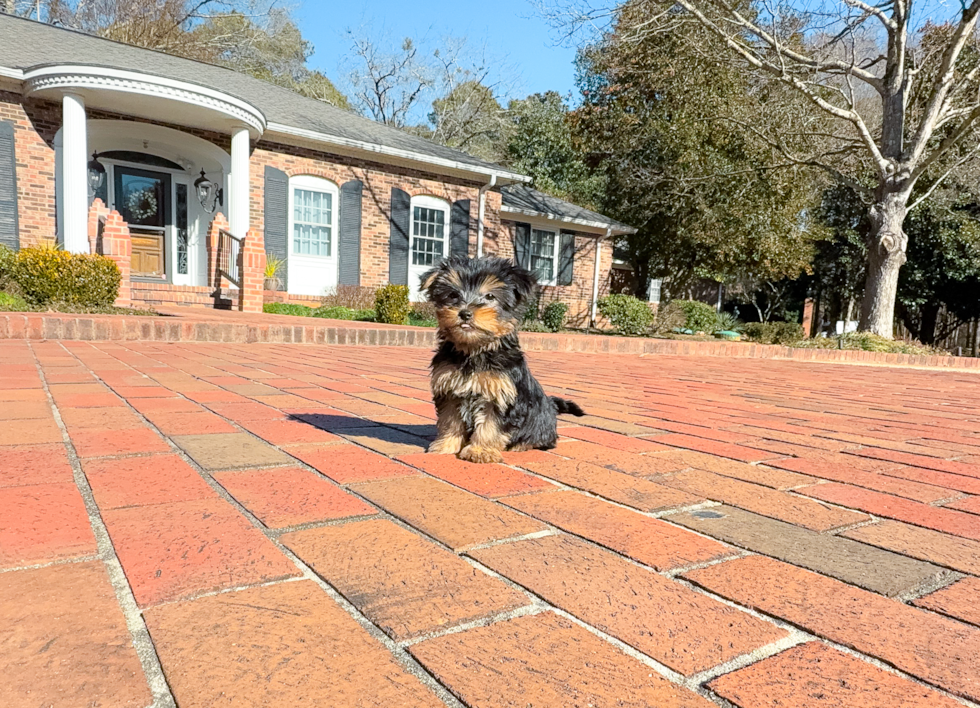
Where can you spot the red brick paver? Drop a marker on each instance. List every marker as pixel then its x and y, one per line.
pixel 743 532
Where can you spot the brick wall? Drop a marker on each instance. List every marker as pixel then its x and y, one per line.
pixel 35 124
pixel 578 295
pixel 378 182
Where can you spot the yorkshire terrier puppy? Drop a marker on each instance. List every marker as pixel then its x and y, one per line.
pixel 486 398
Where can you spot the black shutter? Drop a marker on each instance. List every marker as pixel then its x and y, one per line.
pixel 9 233
pixel 566 262
pixel 276 218
pixel 349 242
pixel 401 208
pixel 522 244
pixel 459 229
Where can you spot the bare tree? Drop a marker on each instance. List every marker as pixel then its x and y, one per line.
pixel 921 123
pixel 387 85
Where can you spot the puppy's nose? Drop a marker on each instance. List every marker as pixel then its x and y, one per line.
pixel 465 315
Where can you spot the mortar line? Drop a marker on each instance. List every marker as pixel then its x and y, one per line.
pixel 142 643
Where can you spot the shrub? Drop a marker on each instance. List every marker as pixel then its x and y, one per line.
pixel 12 303
pixel 7 260
pixel 698 316
pixel 629 315
pixel 534 326
pixel 391 304
pixel 553 316
pixel 532 311
pixel 333 313
pixel 423 314
pixel 353 297
pixel 285 308
pixel 47 275
pixel 668 318
pixel 773 332
pixel 727 322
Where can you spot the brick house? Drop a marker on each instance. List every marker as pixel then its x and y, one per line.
pixel 176 168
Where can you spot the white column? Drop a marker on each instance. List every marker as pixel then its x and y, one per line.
pixel 74 174
pixel 239 183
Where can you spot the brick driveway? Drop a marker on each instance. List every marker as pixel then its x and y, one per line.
pixel 256 525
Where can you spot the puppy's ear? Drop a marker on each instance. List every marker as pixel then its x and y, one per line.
pixel 523 281
pixel 428 279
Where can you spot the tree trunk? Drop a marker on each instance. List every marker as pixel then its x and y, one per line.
pixel 886 255
pixel 929 318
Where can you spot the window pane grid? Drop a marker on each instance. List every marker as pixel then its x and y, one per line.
pixel 428 235
pixel 543 254
pixel 312 222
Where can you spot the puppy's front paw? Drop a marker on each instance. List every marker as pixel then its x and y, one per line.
pixel 483 455
pixel 449 445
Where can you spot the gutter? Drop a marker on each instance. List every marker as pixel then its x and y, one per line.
pixel 11 73
pixel 483 210
pixel 595 276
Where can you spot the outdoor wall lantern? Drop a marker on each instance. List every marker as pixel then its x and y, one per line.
pixel 210 194
pixel 96 176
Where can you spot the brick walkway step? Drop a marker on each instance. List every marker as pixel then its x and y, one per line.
pixel 937 650
pixel 545 660
pixel 814 675
pixel 404 584
pixel 64 641
pixel 675 625
pixel 285 645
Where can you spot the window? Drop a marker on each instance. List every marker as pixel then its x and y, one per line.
pixel 313 218
pixel 543 258
pixel 428 234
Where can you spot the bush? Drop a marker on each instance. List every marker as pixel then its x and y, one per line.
pixel 12 303
pixel 629 315
pixel 532 311
pixel 47 275
pixel 773 332
pixel 285 308
pixel 391 304
pixel 698 316
pixel 7 260
pixel 342 313
pixel 668 318
pixel 423 314
pixel 353 297
pixel 727 322
pixel 553 316
pixel 534 326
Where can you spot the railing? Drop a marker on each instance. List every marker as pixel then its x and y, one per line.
pixel 100 231
pixel 230 257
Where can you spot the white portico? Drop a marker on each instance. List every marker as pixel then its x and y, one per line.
pixel 166 182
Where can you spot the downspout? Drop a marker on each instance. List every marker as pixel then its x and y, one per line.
pixel 483 211
pixel 595 276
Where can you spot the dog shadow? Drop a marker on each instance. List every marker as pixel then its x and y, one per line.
pixel 352 426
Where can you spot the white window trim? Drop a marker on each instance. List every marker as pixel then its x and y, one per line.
pixel 427 202
pixel 314 184
pixel 556 258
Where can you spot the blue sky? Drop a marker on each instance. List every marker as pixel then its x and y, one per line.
pixel 510 29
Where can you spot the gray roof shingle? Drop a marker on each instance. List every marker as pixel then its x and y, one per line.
pixel 531 201
pixel 26 44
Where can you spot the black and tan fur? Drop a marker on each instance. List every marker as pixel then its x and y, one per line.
pixel 486 398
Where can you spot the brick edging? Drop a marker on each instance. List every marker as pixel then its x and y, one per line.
pixel 165 329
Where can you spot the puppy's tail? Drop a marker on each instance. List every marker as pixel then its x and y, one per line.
pixel 565 406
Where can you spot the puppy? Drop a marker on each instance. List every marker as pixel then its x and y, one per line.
pixel 486 398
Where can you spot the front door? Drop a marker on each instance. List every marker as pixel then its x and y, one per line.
pixel 142 197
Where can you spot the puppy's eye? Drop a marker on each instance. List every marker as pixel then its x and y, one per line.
pixel 491 297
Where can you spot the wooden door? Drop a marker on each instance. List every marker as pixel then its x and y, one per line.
pixel 148 256
pixel 142 197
